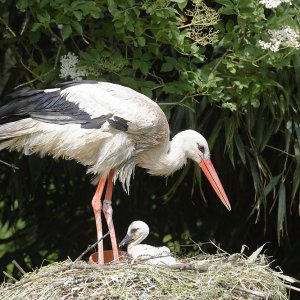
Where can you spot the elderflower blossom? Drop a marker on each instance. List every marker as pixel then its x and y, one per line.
pixel 230 106
pixel 69 68
pixel 273 3
pixel 286 37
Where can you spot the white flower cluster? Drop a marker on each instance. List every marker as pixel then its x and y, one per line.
pixel 229 105
pixel 273 3
pixel 69 68
pixel 286 37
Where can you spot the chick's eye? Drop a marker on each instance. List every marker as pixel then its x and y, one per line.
pixel 201 148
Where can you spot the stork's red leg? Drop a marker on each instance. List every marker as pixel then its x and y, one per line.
pixel 108 212
pixel 97 206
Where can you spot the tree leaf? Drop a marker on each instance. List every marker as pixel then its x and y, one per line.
pixel 167 238
pixel 272 184
pixel 44 18
pixel 66 31
pixel 224 2
pixel 141 41
pixel 288 134
pixel 77 26
pixel 296 181
pixel 226 11
pixel 254 173
pixel 167 67
pixel 297 129
pixel 36 26
pixel 230 127
pixel 230 154
pixel 253 257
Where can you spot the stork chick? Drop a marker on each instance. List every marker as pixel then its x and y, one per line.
pixel 137 232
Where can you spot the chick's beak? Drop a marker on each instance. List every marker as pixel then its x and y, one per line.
pixel 127 239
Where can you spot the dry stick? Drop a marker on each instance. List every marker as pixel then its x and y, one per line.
pixel 9 165
pixel 292 287
pixel 9 276
pixel 14 262
pixel 91 246
pixel 7 27
pixel 253 292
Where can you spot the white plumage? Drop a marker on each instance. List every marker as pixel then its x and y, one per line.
pixel 106 127
pixel 137 232
pixel 103 148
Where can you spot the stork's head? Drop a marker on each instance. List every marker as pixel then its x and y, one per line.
pixel 196 148
pixel 194 145
pixel 136 233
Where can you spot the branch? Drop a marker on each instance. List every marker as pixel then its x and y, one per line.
pixel 259 294
pixel 91 246
pixel 43 75
pixel 7 27
pixel 9 165
pixel 9 276
pixel 14 262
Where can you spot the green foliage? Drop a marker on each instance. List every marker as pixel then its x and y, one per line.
pixel 203 62
pixel 258 86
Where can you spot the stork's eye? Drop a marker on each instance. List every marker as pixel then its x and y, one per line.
pixel 201 148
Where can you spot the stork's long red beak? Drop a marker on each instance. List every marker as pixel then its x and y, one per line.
pixel 211 174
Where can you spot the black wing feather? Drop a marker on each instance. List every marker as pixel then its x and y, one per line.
pixel 52 107
pixel 118 123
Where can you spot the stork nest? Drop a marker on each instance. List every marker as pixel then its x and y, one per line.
pixel 219 276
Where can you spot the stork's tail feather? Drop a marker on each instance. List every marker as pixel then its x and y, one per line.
pixel 15 123
pixel 17 129
pixel 13 134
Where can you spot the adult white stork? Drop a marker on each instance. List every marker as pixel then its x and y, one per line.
pixel 107 127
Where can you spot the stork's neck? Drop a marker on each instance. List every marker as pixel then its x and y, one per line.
pixel 167 159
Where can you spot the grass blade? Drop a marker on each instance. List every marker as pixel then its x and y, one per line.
pixel 281 213
pixel 240 147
